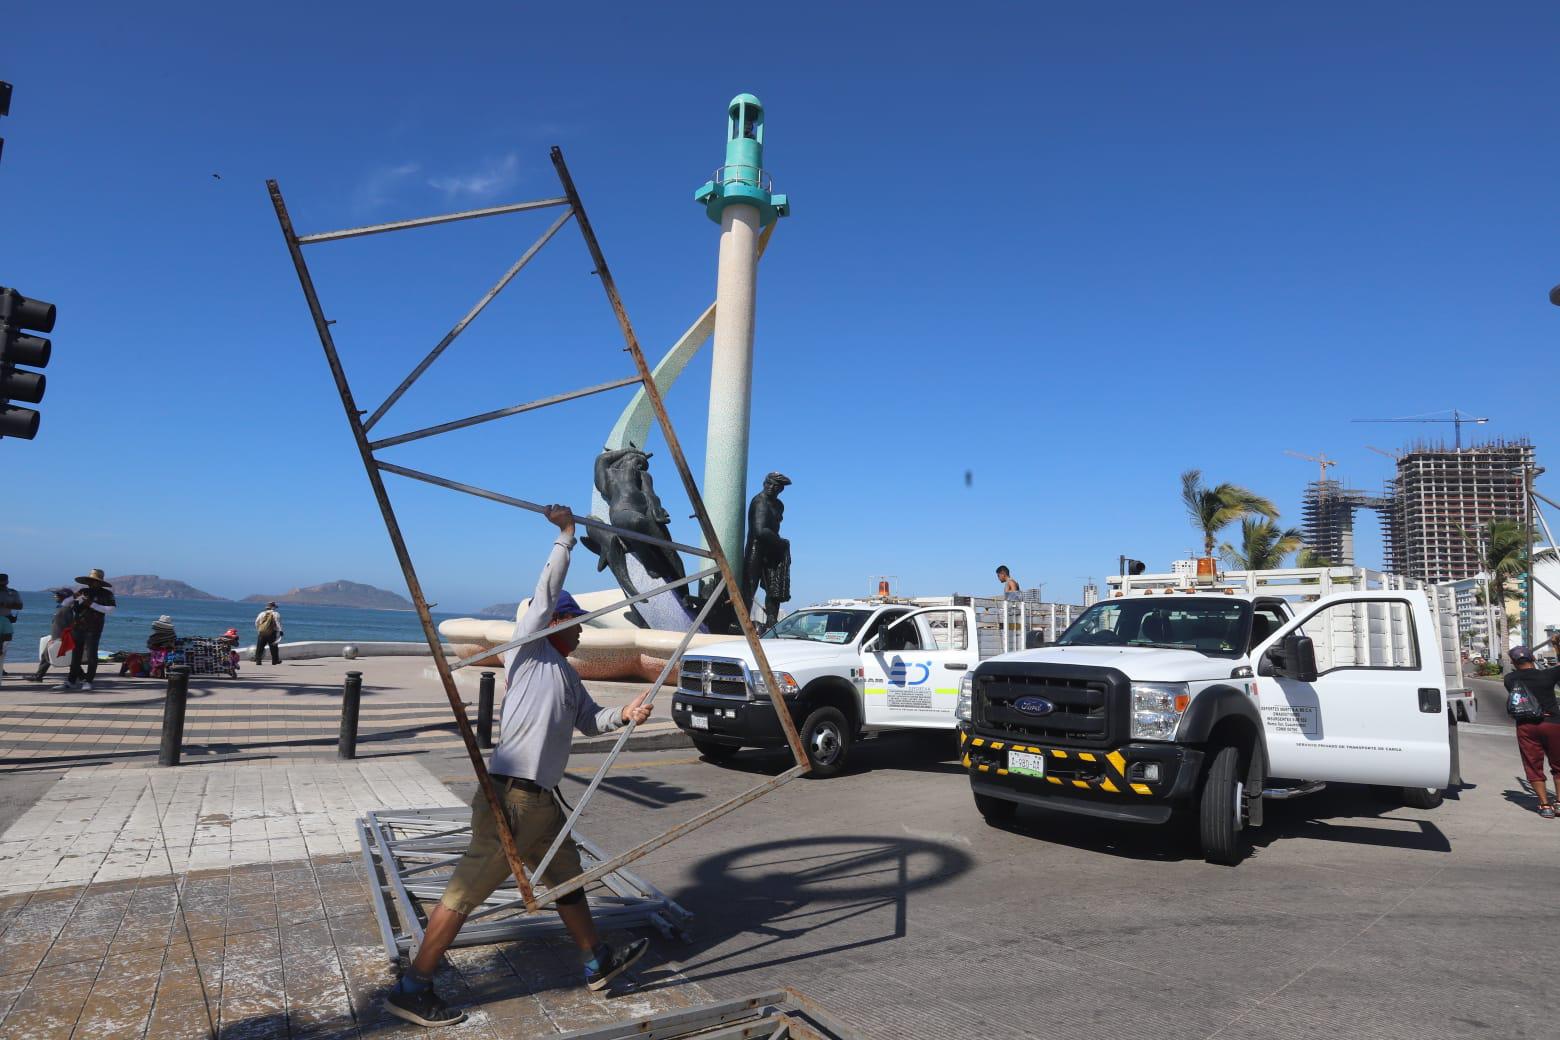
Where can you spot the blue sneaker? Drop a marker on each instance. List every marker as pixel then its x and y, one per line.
pixel 615 963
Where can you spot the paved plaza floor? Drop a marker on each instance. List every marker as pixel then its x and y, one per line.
pixel 225 898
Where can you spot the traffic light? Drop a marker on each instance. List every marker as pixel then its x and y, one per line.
pixel 19 317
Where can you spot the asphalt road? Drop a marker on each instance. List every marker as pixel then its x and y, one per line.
pixel 883 894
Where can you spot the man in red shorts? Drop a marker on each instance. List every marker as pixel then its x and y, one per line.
pixel 1539 738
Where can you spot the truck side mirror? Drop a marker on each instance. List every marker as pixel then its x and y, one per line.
pixel 874 644
pixel 1294 657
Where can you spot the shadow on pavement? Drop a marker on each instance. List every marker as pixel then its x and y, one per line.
pixel 1324 816
pixel 928 752
pixel 752 900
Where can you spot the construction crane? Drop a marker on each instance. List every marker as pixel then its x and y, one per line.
pixel 1457 420
pixel 1395 456
pixel 1321 460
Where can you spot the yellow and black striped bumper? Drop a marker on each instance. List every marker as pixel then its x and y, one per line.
pixel 1113 774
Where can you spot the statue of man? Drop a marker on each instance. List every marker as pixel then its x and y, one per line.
pixel 766 560
pixel 623 478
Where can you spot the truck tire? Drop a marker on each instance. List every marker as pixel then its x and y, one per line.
pixel 1422 797
pixel 713 751
pixel 1220 816
pixel 826 737
pixel 997 811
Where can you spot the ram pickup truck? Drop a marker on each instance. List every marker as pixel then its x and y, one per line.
pixel 847 668
pixel 1205 703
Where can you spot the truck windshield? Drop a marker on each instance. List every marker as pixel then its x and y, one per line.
pixel 1216 627
pixel 820 626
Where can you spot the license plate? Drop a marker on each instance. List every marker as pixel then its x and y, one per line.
pixel 699 721
pixel 1026 764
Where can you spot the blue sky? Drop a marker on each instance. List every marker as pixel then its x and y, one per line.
pixel 1073 249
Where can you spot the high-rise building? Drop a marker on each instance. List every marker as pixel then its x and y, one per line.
pixel 1443 497
pixel 1091 595
pixel 1327 519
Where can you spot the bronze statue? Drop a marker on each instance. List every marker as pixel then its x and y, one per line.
pixel 623 478
pixel 766 560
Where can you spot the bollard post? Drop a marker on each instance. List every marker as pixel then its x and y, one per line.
pixel 173 715
pixel 352 692
pixel 485 711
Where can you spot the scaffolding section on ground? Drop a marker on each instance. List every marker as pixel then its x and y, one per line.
pixel 410 854
pixel 605 870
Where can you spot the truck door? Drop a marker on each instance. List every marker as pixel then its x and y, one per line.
pixel 1375 713
pixel 912 675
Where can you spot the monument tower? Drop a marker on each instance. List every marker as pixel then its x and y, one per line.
pixel 740 200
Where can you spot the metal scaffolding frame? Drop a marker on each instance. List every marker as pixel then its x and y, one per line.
pixel 604 869
pixel 410 854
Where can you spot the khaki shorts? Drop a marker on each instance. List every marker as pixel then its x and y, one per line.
pixel 535 820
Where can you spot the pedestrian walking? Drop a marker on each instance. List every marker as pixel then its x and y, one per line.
pixel 55 647
pixel 94 603
pixel 1538 720
pixel 10 605
pixel 268 632
pixel 544 701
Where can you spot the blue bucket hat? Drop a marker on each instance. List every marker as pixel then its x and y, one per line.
pixel 566 606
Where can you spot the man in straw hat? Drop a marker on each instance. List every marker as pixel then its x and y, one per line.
pixel 94 602
pixel 544 702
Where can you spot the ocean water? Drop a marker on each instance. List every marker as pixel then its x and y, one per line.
pixel 130 624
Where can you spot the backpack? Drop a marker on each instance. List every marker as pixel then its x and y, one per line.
pixel 1522 705
pixel 265 624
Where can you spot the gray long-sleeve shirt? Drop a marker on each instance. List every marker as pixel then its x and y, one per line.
pixel 544 700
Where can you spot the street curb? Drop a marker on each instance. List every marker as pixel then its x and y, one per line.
pixel 659 738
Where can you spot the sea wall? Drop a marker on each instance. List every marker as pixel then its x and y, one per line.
pixel 311 649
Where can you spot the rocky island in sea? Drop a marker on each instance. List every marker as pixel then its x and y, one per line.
pixel 150 586
pixel 503 610
pixel 339 594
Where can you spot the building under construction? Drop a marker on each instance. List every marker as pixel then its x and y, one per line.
pixel 1327 519
pixel 1442 498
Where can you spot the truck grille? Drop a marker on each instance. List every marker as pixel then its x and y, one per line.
pixel 1082 714
pixel 713 677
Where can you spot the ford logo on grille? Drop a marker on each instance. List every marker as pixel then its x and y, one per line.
pixel 1034 706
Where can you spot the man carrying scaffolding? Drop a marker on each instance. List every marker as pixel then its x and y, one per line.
pixel 544 701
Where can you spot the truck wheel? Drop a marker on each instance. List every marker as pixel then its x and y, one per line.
pixel 1422 797
pixel 713 751
pixel 997 811
pixel 1220 814
pixel 826 736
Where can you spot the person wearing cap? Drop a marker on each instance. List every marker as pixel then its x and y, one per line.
pixel 94 602
pixel 544 702
pixel 49 653
pixel 1540 738
pixel 268 632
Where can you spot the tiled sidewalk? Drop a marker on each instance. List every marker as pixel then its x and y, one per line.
pixel 225 901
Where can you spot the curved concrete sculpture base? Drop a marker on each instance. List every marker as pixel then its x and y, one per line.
pixel 611 646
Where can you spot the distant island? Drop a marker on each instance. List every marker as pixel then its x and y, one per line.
pixel 150 586
pixel 503 610
pixel 339 594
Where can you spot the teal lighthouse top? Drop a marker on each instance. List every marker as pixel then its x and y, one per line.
pixel 742 179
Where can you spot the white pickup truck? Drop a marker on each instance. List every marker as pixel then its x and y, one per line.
pixel 851 667
pixel 1212 700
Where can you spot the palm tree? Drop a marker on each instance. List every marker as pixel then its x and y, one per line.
pixel 1214 508
pixel 1262 545
pixel 1309 557
pixel 1503 556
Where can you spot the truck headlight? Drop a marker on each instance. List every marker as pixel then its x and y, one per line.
pixel 963 710
pixel 786 680
pixel 1157 709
